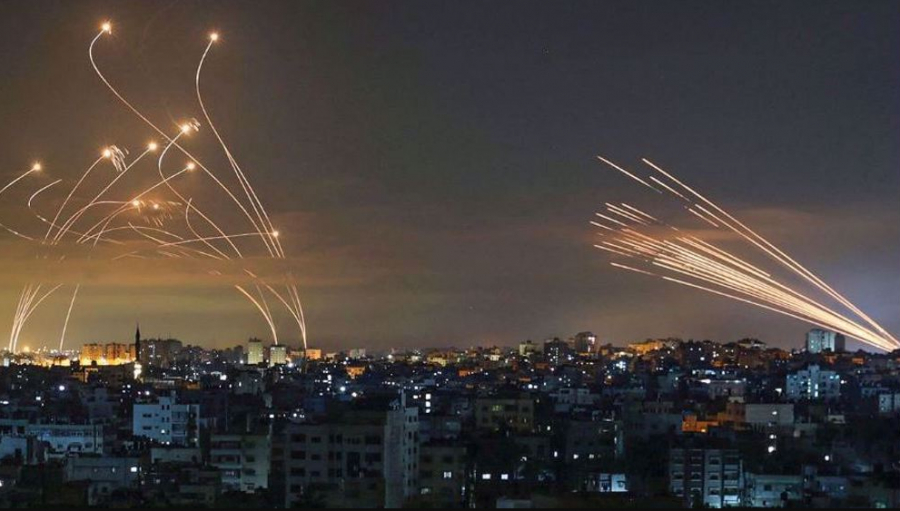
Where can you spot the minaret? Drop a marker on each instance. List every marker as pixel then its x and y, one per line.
pixel 138 369
pixel 137 343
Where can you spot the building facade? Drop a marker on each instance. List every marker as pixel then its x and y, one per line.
pixel 362 459
pixel 813 383
pixel 707 477
pixel 166 422
pixel 821 341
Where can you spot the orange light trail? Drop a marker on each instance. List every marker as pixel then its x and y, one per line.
pixel 703 266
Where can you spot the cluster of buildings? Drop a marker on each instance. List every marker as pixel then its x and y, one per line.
pixel 559 423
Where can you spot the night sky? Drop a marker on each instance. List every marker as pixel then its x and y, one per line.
pixel 431 165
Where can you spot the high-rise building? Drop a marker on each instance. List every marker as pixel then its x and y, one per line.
pixel 159 352
pixel 277 355
pixel 118 353
pixel 442 474
pixel 368 457
pixel 714 477
pixel 107 354
pixel 514 413
pixel 558 352
pixel 529 348
pixel 819 341
pixel 766 490
pixel 167 422
pixel 585 342
pixel 244 460
pixel 813 383
pixel 92 354
pixel 254 352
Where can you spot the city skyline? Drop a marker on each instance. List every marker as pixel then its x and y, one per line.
pixel 424 206
pixel 520 254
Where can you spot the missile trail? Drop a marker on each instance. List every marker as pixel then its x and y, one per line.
pixel 693 262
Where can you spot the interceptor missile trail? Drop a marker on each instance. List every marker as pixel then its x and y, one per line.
pixel 34 168
pixel 107 153
pixel 108 214
pixel 268 238
pixel 703 266
pixel 62 337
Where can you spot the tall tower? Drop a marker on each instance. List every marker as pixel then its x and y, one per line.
pixel 138 368
pixel 137 343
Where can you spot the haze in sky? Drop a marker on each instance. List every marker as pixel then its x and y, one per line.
pixel 431 165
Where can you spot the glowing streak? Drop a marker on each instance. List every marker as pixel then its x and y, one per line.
pixel 612 250
pixel 625 214
pixel 627 250
pixel 74 218
pixel 187 221
pixel 141 231
pixel 669 188
pixel 15 323
pixel 34 168
pixel 30 299
pixel 629 268
pixel 191 166
pixel 701 217
pixel 738 279
pixel 28 310
pixel 779 255
pixel 24 300
pixel 297 315
pixel 629 174
pixel 712 249
pixel 62 338
pixel 41 190
pixel 757 304
pixel 785 296
pixel 597 224
pixel 88 234
pixel 639 212
pixel 298 304
pixel 265 303
pixel 160 132
pixel 212 238
pixel 613 220
pixel 69 197
pixel 264 222
pixel 260 308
